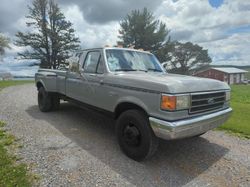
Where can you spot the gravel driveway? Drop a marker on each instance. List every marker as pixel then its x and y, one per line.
pixel 75 147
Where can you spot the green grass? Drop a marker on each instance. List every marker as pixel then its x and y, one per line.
pixel 239 123
pixel 11 173
pixel 4 84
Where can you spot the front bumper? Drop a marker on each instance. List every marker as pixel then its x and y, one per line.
pixel 188 127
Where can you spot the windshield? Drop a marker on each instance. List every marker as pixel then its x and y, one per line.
pixel 128 60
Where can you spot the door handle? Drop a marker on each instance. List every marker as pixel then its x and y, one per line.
pixel 101 82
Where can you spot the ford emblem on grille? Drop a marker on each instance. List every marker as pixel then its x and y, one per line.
pixel 210 101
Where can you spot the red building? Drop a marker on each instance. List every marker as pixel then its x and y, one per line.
pixel 229 75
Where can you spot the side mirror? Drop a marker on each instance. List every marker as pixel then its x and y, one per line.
pixel 74 64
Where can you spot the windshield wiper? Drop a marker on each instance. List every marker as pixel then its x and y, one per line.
pixel 156 70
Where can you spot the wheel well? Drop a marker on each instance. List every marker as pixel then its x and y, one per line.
pixel 39 85
pixel 122 107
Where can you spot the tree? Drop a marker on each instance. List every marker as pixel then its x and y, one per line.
pixel 4 43
pixel 182 58
pixel 52 38
pixel 140 30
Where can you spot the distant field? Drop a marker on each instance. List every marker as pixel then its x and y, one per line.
pixel 240 120
pixel 4 84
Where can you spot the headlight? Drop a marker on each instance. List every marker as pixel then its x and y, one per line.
pixel 228 95
pixel 182 102
pixel 175 102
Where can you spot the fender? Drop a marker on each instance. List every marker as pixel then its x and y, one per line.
pixel 41 82
pixel 132 100
pixel 47 78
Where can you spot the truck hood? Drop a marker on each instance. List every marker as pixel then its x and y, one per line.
pixel 167 83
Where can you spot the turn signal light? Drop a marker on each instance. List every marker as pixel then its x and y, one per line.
pixel 168 102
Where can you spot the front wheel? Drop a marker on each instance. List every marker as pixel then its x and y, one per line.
pixel 135 136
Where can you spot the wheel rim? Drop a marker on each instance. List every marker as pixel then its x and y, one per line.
pixel 131 135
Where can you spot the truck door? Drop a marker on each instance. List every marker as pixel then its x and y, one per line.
pixel 92 75
pixel 73 77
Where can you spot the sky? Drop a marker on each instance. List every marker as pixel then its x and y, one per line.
pixel 221 26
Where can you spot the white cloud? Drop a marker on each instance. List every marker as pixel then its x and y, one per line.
pixel 18 67
pixel 199 22
pixel 91 35
pixel 233 50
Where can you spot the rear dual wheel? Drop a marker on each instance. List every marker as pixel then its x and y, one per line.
pixel 47 101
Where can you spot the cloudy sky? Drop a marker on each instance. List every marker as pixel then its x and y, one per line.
pixel 221 26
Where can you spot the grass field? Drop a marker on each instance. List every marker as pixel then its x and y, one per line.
pixel 4 84
pixel 11 173
pixel 239 123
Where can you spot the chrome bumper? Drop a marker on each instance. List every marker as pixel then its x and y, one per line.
pixel 188 127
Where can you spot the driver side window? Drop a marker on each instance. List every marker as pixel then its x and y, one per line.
pixel 91 62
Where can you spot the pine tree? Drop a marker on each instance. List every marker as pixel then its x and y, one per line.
pixel 4 43
pixel 139 29
pixel 51 38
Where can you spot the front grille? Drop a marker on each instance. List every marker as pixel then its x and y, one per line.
pixel 206 102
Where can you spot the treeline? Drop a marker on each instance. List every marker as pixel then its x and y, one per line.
pixel 140 29
pixel 52 39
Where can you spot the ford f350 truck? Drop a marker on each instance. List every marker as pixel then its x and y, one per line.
pixel 147 102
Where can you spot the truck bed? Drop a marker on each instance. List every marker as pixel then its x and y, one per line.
pixel 54 80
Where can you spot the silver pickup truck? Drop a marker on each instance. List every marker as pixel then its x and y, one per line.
pixel 147 102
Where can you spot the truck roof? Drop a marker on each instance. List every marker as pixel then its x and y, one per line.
pixel 116 48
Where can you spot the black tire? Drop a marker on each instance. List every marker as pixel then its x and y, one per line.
pixel 135 136
pixel 44 100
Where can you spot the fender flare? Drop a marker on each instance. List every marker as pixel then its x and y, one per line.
pixel 40 83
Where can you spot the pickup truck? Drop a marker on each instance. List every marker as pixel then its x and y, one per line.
pixel 147 102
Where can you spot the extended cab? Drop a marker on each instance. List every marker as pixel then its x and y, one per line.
pixel 147 102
